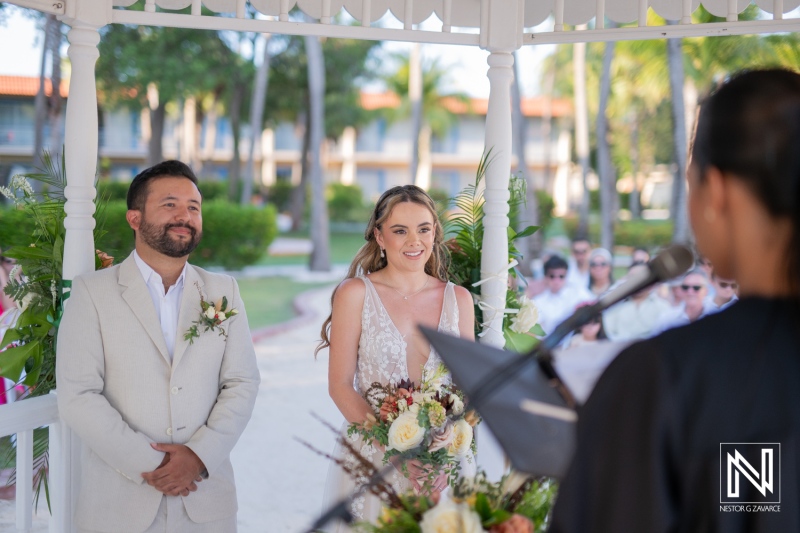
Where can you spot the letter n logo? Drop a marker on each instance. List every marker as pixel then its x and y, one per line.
pixel 750 472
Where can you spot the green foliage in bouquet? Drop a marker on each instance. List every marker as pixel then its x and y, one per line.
pixel 465 230
pixel 514 504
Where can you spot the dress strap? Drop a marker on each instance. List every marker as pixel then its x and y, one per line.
pixel 449 322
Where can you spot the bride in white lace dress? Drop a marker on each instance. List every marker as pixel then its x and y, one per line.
pixel 396 282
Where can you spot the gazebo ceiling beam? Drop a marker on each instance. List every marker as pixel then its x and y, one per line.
pixel 641 33
pixel 368 33
pixel 629 33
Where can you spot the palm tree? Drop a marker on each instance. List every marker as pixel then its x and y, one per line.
pixel 436 115
pixel 320 255
pixel 530 246
pixel 581 128
pixel 256 119
pixel 604 163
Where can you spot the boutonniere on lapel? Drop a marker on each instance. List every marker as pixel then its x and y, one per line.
pixel 212 315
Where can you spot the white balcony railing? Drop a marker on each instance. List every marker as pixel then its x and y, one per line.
pixel 20 419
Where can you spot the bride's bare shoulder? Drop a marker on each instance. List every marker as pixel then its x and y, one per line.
pixel 350 292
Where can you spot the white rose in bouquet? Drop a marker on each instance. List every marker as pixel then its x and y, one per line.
pixel 450 517
pixel 462 439
pixel 405 432
pixel 458 405
pixel 526 318
pixel 211 312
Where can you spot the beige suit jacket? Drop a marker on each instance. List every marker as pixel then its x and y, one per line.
pixel 118 390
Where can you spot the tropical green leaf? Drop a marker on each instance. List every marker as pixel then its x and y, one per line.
pixel 28 252
pixel 530 230
pixel 13 360
pixel 519 342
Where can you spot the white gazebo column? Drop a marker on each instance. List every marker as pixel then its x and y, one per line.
pixel 85 17
pixel 503 29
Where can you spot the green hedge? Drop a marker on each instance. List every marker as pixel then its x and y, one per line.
pixel 644 233
pixel 233 236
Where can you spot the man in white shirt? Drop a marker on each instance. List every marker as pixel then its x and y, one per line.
pixel 694 289
pixel 157 389
pixel 559 300
pixel 578 268
pixel 636 317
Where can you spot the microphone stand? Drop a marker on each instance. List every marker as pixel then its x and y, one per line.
pixel 542 354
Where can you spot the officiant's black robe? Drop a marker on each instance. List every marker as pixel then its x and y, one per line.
pixel 648 453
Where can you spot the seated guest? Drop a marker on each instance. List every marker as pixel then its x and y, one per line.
pixel 589 333
pixel 640 256
pixel 724 293
pixel 600 277
pixel 578 270
pixel 693 290
pixel 559 300
pixel 636 317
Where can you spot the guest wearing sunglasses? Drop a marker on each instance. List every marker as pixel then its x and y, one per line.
pixel 693 290
pixel 640 256
pixel 600 276
pixel 559 299
pixel 724 293
pixel 578 271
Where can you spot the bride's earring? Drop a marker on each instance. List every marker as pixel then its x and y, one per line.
pixel 382 254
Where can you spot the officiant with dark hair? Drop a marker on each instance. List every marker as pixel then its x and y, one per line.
pixel 698 429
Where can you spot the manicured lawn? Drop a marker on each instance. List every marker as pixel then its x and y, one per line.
pixel 343 248
pixel 269 300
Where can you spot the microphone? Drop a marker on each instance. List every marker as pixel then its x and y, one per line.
pixel 669 264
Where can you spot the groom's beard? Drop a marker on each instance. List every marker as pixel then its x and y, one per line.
pixel 159 239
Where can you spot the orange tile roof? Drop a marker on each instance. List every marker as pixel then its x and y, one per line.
pixel 28 86
pixel 531 107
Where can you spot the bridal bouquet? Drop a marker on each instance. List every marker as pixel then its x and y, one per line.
pixel 430 420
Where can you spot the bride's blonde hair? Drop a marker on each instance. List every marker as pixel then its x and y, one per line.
pixel 368 259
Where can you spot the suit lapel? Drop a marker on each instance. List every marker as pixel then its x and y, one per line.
pixel 189 312
pixel 138 298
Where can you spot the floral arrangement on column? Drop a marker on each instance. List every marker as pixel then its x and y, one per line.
pixel 464 230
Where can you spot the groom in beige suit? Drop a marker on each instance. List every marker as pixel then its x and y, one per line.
pixel 159 414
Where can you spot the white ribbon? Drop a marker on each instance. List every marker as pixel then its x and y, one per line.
pixel 499 275
pixel 483 306
pixel 486 325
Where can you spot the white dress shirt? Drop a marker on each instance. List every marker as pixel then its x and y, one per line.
pixel 167 305
pixel 677 317
pixel 631 320
pixel 576 278
pixel 555 307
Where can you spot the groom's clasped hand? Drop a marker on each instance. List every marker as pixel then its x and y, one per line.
pixel 179 472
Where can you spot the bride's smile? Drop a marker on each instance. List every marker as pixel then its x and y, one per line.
pixel 407 236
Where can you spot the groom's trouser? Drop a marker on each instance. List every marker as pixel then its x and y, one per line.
pixel 172 518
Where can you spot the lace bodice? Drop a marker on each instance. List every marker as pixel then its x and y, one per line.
pixel 382 349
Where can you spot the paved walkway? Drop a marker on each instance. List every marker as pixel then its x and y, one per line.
pixel 280 481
